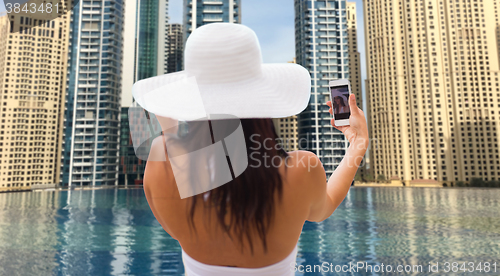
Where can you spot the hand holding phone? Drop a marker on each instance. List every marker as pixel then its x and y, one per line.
pixel 356 130
pixel 340 91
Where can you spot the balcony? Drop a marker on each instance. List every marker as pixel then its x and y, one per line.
pixel 87 85
pixel 212 20
pixel 80 147
pixel 83 118
pixel 83 125
pixel 83 179
pixel 212 2
pixel 82 172
pixel 87 164
pixel 81 133
pixel 212 11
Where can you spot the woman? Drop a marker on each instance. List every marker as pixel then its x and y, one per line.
pixel 339 105
pixel 250 225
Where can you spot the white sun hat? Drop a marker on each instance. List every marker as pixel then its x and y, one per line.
pixel 336 93
pixel 224 74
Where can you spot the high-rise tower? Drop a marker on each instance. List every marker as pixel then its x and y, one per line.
pixel 175 48
pixel 433 88
pixel 200 12
pixel 145 55
pixel 286 129
pixel 92 114
pixel 322 46
pixel 33 66
pixel 145 43
pixel 353 54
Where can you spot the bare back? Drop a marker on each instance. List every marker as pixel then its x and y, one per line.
pixel 208 243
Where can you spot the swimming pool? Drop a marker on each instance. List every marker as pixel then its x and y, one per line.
pixel 113 232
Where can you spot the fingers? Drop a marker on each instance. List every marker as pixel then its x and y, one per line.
pixel 329 103
pixel 333 124
pixel 352 104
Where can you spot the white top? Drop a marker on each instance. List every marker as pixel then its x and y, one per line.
pixel 341 109
pixel 282 268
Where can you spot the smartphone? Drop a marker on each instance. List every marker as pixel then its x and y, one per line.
pixel 340 91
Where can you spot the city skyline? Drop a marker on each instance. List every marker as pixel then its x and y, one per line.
pixel 277 43
pixel 279 13
pixel 433 89
pixel 407 192
pixel 427 109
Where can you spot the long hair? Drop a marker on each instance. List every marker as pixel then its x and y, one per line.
pixel 249 199
pixel 337 106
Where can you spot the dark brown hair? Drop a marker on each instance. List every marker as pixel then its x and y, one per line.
pixel 335 105
pixel 249 199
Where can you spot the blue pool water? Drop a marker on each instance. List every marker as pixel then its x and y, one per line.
pixel 113 232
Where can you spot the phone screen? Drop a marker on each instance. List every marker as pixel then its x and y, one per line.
pixel 340 102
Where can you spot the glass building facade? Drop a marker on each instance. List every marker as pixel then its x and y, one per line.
pixel 149 54
pixel 147 45
pixel 321 47
pixel 131 167
pixel 152 38
pixel 200 12
pixel 91 127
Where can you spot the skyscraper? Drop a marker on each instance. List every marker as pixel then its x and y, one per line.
pixel 353 54
pixel 175 48
pixel 145 43
pixel 151 38
pixel 355 70
pixel 433 89
pixel 92 114
pixel 33 62
pixel 286 129
pixel 145 55
pixel 132 168
pixel 200 12
pixel 322 46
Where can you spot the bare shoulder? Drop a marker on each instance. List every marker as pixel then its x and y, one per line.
pixel 158 175
pixel 305 161
pixel 310 178
pixel 307 169
pixel 157 152
pixel 155 166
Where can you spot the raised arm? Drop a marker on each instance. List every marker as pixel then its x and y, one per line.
pixel 334 192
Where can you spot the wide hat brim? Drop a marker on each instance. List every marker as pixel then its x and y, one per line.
pixel 339 94
pixel 282 90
